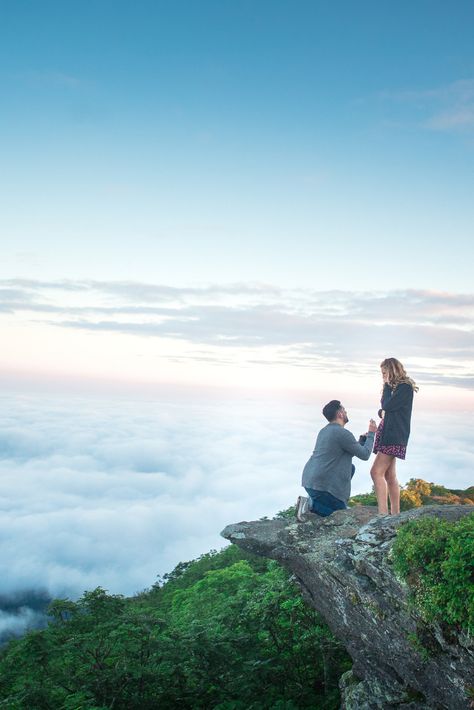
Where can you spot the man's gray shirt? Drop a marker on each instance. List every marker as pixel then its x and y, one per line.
pixel 330 466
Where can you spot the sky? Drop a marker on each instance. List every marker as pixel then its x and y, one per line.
pixel 215 216
pixel 190 191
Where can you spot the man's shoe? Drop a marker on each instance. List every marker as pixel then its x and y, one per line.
pixel 301 508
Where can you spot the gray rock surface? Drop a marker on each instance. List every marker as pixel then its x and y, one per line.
pixel 342 564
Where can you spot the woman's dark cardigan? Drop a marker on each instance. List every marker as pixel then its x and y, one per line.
pixel 397 406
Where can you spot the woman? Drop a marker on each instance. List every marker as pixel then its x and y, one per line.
pixel 392 434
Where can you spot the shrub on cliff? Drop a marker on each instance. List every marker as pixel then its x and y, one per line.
pixel 436 558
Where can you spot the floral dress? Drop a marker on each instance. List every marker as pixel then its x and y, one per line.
pixel 398 450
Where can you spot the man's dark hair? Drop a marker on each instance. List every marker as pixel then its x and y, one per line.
pixel 330 410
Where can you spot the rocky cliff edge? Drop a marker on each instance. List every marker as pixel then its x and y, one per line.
pixel 343 566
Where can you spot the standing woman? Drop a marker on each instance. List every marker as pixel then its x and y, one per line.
pixel 392 434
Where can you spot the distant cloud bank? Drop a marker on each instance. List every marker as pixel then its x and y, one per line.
pixel 329 331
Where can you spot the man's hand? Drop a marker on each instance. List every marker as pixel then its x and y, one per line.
pixel 372 426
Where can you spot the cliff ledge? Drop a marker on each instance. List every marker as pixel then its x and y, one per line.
pixel 342 564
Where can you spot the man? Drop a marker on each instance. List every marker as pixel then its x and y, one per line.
pixel 327 475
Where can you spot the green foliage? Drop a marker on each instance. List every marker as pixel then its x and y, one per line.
pixel 287 514
pixel 437 490
pixel 418 492
pixel 185 574
pixel 226 631
pixel 363 499
pixel 436 558
pixel 415 641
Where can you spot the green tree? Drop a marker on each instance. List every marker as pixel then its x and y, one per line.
pixel 227 631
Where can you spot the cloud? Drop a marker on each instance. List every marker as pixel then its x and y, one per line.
pixel 444 108
pixel 332 330
pixel 93 493
pixel 143 292
pixel 22 610
pixel 16 624
pixel 456 118
pixel 115 492
pixel 47 79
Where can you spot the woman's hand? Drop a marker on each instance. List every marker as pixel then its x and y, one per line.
pixel 372 426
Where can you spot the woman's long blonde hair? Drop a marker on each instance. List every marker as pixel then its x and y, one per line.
pixel 397 374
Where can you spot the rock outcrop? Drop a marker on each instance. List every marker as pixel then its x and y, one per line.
pixel 343 566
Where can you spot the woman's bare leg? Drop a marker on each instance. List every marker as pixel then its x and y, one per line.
pixel 393 487
pixel 379 469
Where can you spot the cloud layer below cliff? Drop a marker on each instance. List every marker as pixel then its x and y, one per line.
pixel 113 493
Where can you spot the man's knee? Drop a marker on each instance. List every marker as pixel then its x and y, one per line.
pixel 324 503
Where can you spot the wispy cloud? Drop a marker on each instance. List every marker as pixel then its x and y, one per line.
pixel 331 329
pixel 449 107
pixel 50 78
pixel 16 623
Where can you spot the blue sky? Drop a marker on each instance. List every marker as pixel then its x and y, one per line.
pixel 308 144
pixel 211 192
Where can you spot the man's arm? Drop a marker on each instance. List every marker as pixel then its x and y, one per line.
pixel 349 443
pixel 400 398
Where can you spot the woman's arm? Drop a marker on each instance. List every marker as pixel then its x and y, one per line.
pixel 386 395
pixel 402 396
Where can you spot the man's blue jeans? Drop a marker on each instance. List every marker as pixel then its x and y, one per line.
pixel 324 503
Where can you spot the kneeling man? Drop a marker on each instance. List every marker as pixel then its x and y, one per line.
pixel 327 475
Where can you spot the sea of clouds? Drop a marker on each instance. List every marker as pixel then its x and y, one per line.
pixel 115 492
